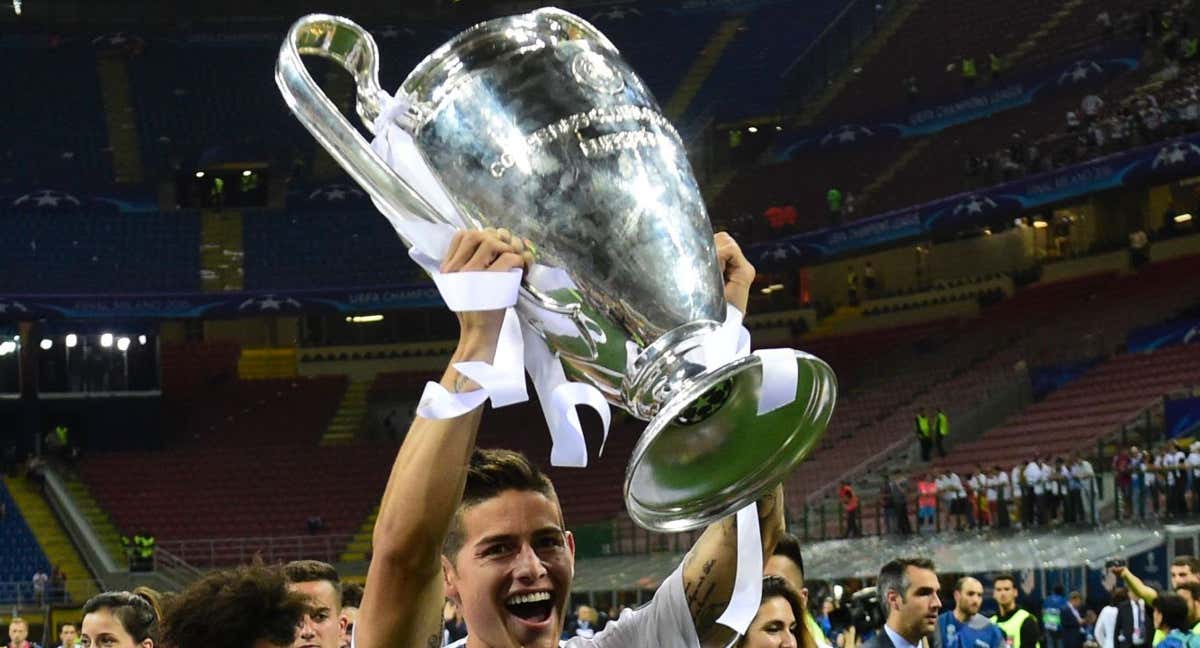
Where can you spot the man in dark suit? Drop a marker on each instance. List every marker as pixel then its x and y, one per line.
pixel 908 590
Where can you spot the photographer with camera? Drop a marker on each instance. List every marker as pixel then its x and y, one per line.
pixel 908 588
pixel 964 626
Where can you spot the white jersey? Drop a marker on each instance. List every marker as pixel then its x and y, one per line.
pixel 1016 481
pixel 664 622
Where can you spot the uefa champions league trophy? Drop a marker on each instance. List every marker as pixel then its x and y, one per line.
pixel 535 124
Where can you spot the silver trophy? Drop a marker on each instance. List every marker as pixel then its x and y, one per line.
pixel 534 123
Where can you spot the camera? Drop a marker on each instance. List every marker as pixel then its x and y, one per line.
pixel 863 610
pixel 1115 562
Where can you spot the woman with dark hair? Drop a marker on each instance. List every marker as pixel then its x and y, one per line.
pixel 121 620
pixel 779 622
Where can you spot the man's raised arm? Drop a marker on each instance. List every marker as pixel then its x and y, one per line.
pixel 711 566
pixel 402 601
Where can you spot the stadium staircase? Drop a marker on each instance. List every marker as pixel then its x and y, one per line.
pixel 359 546
pixel 51 537
pixel 96 516
pixel 701 67
pixel 116 95
pixel 911 153
pixel 261 364
pixel 817 107
pixel 348 419
pixel 221 251
pixel 1037 37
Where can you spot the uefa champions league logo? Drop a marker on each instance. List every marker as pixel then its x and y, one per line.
pixel 1175 153
pixel 846 134
pixel 46 198
pixel 974 205
pixel 337 193
pixel 269 303
pixel 1080 71
pixel 12 307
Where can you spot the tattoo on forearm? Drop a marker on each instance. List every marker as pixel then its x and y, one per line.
pixel 699 597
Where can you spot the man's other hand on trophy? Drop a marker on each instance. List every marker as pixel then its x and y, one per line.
pixel 488 250
pixel 736 271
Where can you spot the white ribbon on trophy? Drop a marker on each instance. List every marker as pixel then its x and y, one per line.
pixel 520 349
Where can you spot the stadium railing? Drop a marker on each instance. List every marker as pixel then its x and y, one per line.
pixel 219 552
pixel 21 594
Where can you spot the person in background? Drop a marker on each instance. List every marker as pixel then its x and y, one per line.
pixel 18 634
pixel 1106 621
pixel 1072 621
pixel 964 626
pixel 926 504
pixel 1018 625
pixel 908 588
pixel 68 635
pixel 850 505
pixel 778 623
pixel 1052 613
pixel 1170 617
pixel 823 618
pixel 351 599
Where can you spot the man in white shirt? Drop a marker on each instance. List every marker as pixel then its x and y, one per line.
pixel 1193 464
pixel 1082 470
pixel 908 589
pixel 1035 484
pixel 485 529
pixel 1021 498
pixel 1004 497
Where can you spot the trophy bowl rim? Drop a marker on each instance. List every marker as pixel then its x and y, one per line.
pixel 752 487
pixel 443 55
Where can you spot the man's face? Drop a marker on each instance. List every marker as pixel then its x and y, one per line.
pixel 1181 574
pixel 68 635
pixel 969 597
pixel 789 571
pixel 348 616
pixel 17 632
pixel 321 626
pixel 512 575
pixel 918 611
pixel 1005 592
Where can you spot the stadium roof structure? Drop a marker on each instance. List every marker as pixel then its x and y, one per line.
pixel 954 553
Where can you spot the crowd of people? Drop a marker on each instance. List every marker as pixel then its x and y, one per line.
pixel 1032 494
pixel 1162 481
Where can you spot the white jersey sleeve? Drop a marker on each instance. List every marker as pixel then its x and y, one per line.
pixel 664 622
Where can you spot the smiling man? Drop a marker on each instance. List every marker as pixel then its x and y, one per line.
pixel 485 529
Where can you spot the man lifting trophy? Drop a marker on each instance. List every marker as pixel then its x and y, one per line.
pixel 534 177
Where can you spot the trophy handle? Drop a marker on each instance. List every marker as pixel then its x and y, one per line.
pixel 351 46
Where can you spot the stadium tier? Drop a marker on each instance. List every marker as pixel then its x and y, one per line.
pixel 22 556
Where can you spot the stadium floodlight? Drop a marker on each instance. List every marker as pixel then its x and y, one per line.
pixel 199 174
pixel 364 319
pixel 1182 218
pixel 779 129
pixel 7 347
pixel 106 340
pixel 46 344
pixel 123 344
pixel 1040 224
pixel 142 340
pixel 247 173
pixel 752 129
pixel 72 340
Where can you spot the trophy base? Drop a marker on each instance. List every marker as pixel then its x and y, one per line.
pixel 707 453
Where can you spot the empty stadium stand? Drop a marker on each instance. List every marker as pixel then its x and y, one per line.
pixel 22 557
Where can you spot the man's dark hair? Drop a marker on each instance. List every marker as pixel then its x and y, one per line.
pixel 351 595
pixel 489 473
pixel 1119 595
pixel 137 611
pixel 1058 589
pixel 1005 577
pixel 893 577
pixel 65 624
pixel 1191 562
pixel 235 608
pixel 312 571
pixel 1174 610
pixel 788 546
